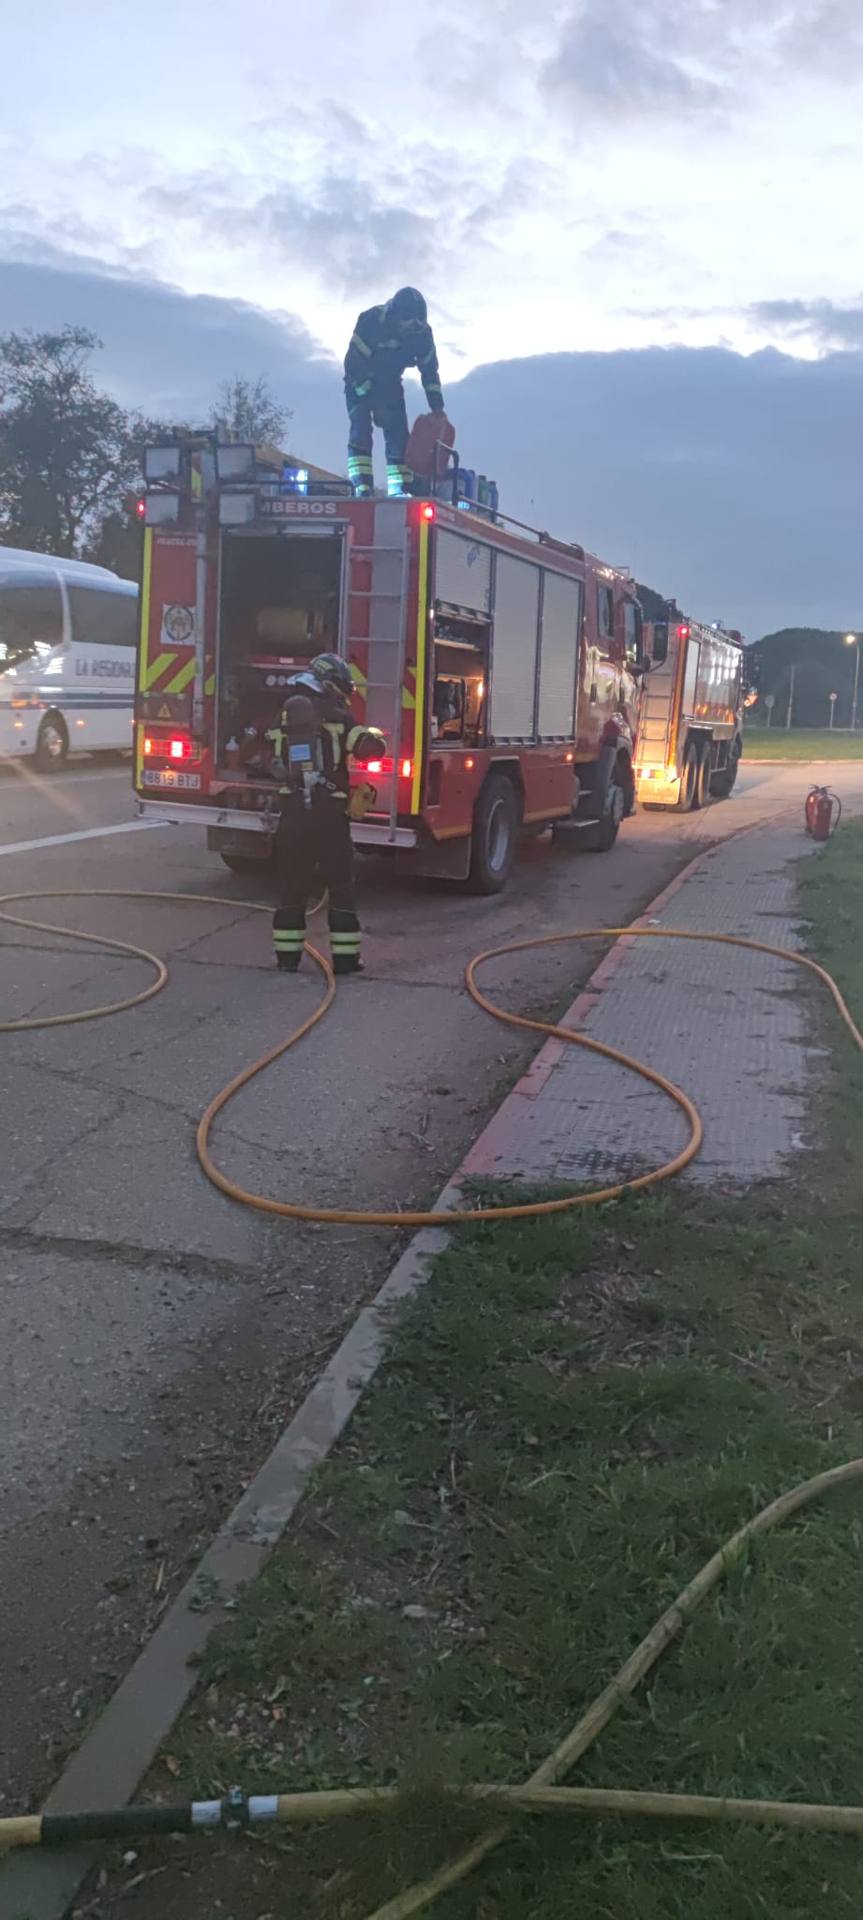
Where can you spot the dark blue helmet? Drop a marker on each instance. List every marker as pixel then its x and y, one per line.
pixel 408 310
pixel 332 671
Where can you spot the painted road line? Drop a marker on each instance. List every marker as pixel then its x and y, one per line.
pixel 85 833
pixel 45 783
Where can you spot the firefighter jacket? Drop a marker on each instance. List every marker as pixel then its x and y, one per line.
pixel 378 356
pixel 339 734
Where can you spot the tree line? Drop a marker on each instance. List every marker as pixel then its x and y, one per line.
pixel 71 456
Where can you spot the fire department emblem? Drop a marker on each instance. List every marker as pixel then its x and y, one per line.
pixel 178 625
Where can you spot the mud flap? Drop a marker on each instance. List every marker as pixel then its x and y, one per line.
pixel 443 859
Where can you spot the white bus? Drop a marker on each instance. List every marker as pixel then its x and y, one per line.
pixel 68 633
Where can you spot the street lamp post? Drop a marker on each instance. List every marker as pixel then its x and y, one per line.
pixel 853 640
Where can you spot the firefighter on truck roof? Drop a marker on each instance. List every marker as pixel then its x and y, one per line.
pixel 384 342
pixel 312 741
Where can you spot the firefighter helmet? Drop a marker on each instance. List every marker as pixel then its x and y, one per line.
pixel 408 309
pixel 334 672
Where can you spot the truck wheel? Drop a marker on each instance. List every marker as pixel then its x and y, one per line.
pixel 722 783
pixel 52 746
pixel 601 838
pixel 702 779
pixel 495 827
pixel 689 780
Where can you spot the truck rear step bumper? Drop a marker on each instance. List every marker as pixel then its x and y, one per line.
pixel 180 813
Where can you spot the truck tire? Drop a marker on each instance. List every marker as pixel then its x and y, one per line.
pixel 598 836
pixel 493 840
pixel 689 780
pixel 601 838
pixel 702 778
pixel 722 784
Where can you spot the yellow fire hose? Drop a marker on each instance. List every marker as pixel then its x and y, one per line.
pixel 539 1795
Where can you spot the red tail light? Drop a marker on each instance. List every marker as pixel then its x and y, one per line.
pixel 387 765
pixel 170 747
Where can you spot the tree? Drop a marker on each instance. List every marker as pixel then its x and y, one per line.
pixel 67 450
pixel 116 541
pixel 821 665
pixel 654 606
pixel 247 410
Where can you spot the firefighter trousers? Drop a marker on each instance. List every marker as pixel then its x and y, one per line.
pixel 388 411
pixel 313 848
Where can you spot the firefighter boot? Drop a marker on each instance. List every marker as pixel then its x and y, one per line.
pixel 289 935
pixel 345 941
pixel 360 474
pixel 399 479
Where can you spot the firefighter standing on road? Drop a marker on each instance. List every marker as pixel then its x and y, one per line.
pixel 384 342
pixel 315 735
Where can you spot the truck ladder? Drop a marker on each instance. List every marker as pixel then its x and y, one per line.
pixel 386 641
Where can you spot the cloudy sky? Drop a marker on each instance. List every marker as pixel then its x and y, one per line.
pixel 574 183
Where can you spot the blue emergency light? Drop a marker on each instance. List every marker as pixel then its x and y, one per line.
pixel 294 480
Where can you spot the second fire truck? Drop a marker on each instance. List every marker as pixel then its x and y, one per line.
pixel 504 666
pixel 691 730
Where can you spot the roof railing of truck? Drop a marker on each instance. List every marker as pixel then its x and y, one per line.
pixel 270 456
pixel 492 516
pixel 711 629
pixel 609 572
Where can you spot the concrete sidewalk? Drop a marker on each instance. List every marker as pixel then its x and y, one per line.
pixel 727 1026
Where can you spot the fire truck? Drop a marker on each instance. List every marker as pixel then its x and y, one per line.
pixel 502 665
pixel 691 728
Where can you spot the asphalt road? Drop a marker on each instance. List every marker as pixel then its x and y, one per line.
pixel 156 1337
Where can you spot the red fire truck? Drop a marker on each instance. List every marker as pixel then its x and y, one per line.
pixel 691 729
pixel 503 666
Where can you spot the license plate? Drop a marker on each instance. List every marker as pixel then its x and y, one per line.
pixel 168 778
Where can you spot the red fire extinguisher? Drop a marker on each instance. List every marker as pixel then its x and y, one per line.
pixel 819 812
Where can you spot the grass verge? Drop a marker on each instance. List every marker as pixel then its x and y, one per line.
pixel 801 743
pixel 571 1417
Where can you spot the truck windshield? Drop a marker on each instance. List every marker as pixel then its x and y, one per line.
pixel 31 618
